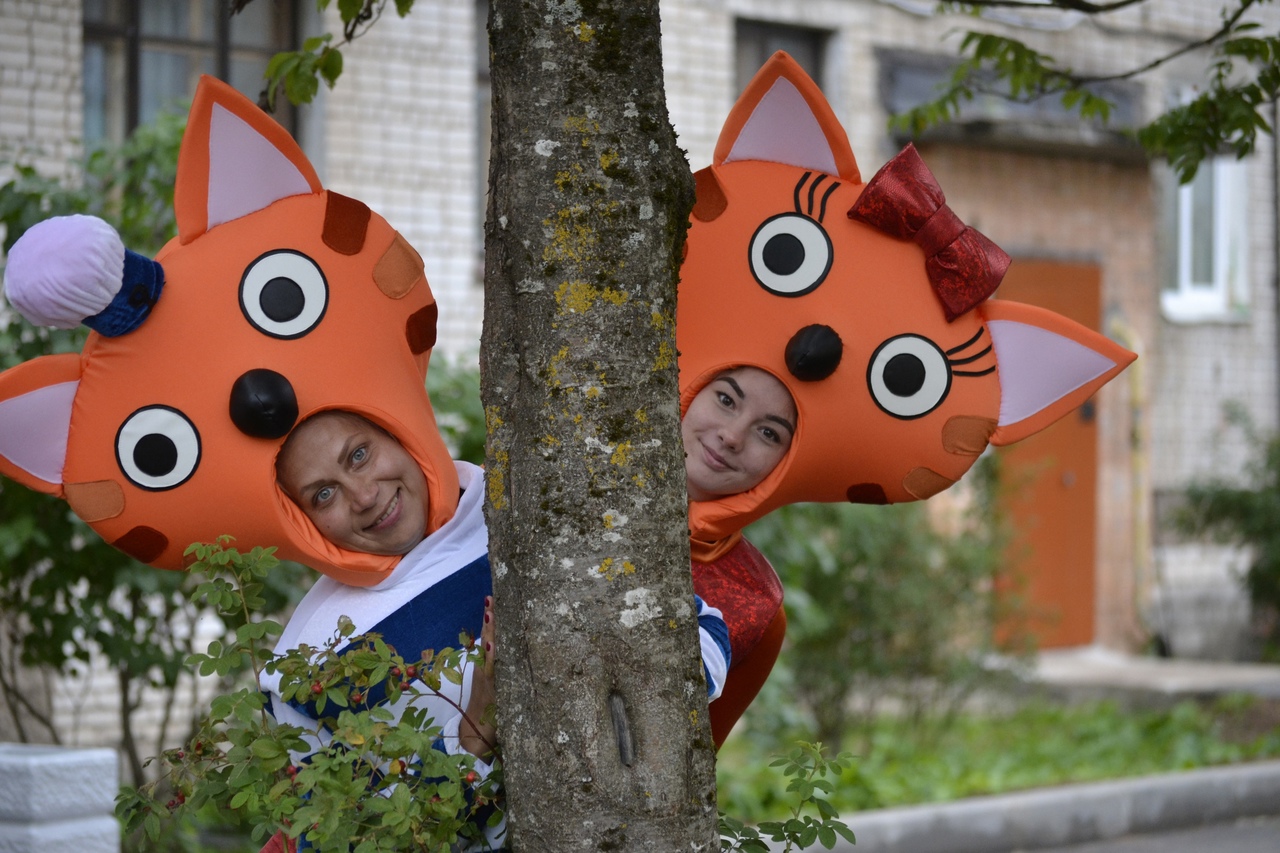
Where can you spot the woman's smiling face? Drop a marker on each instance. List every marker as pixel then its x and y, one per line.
pixel 357 484
pixel 736 430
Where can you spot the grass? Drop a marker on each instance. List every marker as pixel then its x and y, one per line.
pixel 904 762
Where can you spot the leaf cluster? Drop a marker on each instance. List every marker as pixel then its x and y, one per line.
pixel 806 769
pixel 1228 115
pixel 369 781
pixel 298 72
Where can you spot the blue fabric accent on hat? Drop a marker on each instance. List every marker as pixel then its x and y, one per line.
pixel 141 284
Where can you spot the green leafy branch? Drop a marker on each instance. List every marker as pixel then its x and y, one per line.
pixel 298 72
pixel 1227 115
pixel 807 768
pixel 368 781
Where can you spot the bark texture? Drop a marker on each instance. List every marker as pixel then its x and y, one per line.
pixel 602 703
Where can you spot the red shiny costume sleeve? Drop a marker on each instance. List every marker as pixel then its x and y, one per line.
pixel 745 589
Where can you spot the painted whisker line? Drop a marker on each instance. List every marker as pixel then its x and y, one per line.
pixel 954 361
pixel 823 212
pixel 967 344
pixel 812 189
pixel 807 210
pixel 991 369
pixel 799 186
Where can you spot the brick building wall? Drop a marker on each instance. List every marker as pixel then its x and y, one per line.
pixel 41 95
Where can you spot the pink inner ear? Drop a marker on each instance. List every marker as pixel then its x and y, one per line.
pixel 34 429
pixel 246 172
pixel 782 129
pixel 1038 368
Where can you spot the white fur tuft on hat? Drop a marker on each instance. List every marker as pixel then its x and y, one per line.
pixel 64 270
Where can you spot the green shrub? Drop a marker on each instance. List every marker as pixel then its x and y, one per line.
pixel 1245 512
pixel 881 606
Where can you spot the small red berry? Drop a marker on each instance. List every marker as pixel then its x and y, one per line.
pixel 181 798
pixel 199 747
pixel 291 771
pixel 411 671
pixel 171 804
pixel 357 697
pixel 395 671
pixel 404 685
pixel 471 777
pixel 181 755
pixel 317 688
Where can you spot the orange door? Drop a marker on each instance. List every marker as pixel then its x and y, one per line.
pixel 1050 478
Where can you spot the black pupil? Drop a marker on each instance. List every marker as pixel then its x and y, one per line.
pixel 282 299
pixel 155 454
pixel 783 254
pixel 904 375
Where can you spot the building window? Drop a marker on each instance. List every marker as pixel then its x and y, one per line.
pixel 756 41
pixel 142 57
pixel 1208 237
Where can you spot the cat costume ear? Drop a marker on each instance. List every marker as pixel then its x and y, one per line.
pixel 1048 366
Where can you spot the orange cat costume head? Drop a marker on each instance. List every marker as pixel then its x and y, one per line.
pixel 869 302
pixel 277 299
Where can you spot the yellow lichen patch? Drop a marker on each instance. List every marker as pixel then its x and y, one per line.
pixel 550 441
pixel 592 392
pixel 621 453
pixel 642 416
pixel 605 567
pixel 571 241
pixel 628 567
pixel 553 367
pixel 584 31
pixel 581 124
pixel 496 478
pixel 492 419
pixel 577 297
pixel 609 159
pixel 665 358
pixel 566 177
pixel 640 480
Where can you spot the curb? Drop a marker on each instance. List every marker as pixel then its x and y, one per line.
pixel 1071 814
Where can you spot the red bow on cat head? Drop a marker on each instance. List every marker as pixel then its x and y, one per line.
pixel 904 200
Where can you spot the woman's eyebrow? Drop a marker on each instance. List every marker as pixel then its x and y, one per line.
pixel 733 383
pixel 779 419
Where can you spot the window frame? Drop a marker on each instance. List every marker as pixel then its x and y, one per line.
pixel 1226 296
pixel 126 34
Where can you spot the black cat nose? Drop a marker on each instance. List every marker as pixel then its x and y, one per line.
pixel 263 404
pixel 813 353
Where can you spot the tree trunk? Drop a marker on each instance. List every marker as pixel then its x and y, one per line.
pixel 602 704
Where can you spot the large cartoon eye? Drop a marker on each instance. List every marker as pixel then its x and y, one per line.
pixel 790 254
pixel 157 448
pixel 909 376
pixel 284 294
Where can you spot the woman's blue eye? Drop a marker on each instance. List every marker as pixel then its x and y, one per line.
pixel 324 494
pixel 359 454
